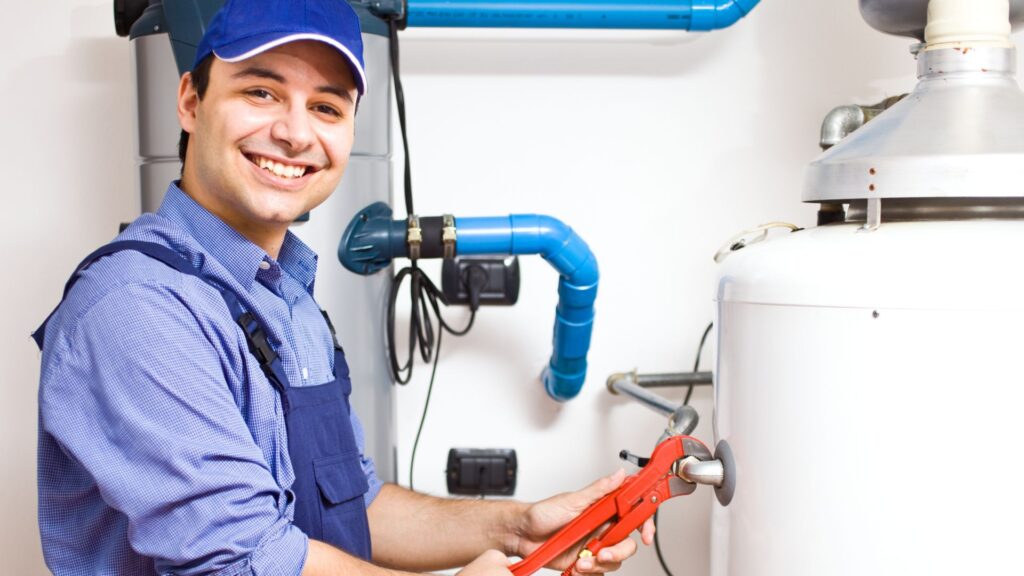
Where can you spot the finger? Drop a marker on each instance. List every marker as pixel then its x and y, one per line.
pixel 588 566
pixel 602 486
pixel 647 532
pixel 617 553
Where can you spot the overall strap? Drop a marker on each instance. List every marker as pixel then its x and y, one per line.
pixel 255 336
pixel 155 251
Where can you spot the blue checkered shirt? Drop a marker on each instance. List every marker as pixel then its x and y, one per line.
pixel 162 446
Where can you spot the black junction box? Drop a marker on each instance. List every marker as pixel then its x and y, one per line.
pixel 495 280
pixel 481 471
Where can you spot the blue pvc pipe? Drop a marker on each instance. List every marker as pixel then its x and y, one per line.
pixel 577 287
pixel 372 239
pixel 619 14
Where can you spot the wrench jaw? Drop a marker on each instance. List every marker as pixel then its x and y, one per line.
pixel 679 487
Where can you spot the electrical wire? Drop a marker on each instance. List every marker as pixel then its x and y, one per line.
pixel 400 102
pixel 696 362
pixel 689 393
pixel 657 546
pixel 426 405
pixel 425 297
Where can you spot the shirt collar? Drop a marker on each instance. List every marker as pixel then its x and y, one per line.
pixel 239 256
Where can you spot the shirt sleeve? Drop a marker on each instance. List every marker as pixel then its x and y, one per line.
pixel 369 468
pixel 138 395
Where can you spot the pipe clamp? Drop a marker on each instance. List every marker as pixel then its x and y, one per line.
pixel 448 235
pixel 414 237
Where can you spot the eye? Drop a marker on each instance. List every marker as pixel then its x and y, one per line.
pixel 328 110
pixel 260 94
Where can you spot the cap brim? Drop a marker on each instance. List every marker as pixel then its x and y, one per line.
pixel 249 47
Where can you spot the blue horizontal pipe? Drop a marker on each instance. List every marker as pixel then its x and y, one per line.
pixel 617 14
pixel 577 286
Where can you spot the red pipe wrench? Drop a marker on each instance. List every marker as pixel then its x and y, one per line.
pixel 626 508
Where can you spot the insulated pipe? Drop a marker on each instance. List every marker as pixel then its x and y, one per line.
pixel 694 15
pixel 372 239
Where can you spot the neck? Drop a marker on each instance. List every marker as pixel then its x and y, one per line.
pixel 269 237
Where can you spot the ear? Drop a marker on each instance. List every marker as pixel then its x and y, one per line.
pixel 188 101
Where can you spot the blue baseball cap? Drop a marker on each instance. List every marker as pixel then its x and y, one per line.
pixel 242 29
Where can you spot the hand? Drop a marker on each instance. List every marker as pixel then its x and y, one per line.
pixel 546 517
pixel 490 563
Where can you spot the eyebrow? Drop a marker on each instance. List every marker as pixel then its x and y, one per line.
pixel 259 72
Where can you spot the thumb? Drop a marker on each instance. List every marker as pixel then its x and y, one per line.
pixel 602 486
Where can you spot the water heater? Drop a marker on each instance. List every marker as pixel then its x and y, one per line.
pixel 869 370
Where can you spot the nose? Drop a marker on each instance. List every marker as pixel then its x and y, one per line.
pixel 293 129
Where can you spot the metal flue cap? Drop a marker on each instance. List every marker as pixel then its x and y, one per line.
pixel 957 135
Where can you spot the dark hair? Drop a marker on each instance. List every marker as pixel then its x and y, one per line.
pixel 200 80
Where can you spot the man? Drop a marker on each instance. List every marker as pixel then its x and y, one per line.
pixel 193 401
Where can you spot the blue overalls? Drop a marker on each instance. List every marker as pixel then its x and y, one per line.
pixel 329 480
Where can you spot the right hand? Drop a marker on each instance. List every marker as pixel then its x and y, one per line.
pixel 490 563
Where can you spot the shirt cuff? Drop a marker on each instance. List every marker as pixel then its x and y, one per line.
pixel 284 553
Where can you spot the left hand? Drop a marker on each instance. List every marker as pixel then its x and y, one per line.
pixel 543 519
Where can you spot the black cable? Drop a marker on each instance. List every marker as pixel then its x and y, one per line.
pixel 423 293
pixel 657 546
pixel 426 404
pixel 400 102
pixel 689 392
pixel 425 298
pixel 696 362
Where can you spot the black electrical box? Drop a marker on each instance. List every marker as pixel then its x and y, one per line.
pixel 482 471
pixel 494 281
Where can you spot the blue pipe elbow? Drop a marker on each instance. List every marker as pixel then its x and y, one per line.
pixel 717 14
pixel 577 286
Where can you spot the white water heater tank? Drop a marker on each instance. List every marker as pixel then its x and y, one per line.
pixel 869 381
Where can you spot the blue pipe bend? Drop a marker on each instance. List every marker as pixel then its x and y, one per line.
pixel 718 14
pixel 557 243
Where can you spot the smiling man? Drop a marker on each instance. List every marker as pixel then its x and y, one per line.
pixel 194 413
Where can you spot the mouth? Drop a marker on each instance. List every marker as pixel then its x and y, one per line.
pixel 282 170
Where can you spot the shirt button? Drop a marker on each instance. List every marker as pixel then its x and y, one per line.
pixel 264 265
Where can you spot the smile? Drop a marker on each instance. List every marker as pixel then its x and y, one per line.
pixel 280 169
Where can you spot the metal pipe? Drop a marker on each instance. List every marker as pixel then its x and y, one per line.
pixel 614 14
pixel 709 472
pixel 682 417
pixel 673 379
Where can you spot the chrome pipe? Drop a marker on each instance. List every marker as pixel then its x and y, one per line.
pixel 673 379
pixel 710 472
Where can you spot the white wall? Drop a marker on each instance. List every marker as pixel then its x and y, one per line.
pixel 654 152
pixel 67 165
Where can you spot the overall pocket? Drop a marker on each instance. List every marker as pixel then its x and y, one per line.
pixel 342 485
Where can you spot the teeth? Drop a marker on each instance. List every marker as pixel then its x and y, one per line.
pixel 282 170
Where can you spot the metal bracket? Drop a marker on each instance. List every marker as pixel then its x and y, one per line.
pixel 448 235
pixel 414 237
pixel 874 215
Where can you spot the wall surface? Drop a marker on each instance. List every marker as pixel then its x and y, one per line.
pixel 655 148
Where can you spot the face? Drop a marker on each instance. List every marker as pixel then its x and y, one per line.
pixel 270 138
